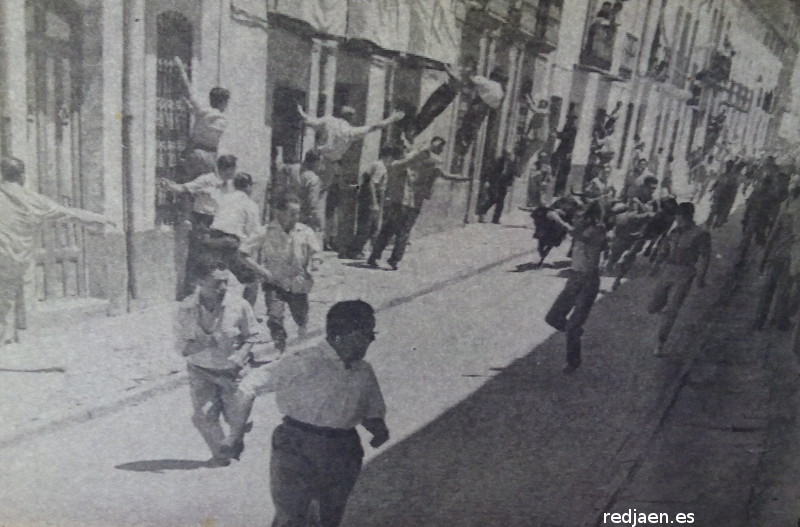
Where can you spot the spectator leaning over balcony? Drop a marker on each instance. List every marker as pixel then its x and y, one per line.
pixel 22 214
pixel 209 123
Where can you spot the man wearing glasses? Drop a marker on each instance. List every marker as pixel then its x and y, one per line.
pixel 324 392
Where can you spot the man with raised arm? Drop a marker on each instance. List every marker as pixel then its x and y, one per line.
pixel 336 134
pixel 208 125
pixel 22 214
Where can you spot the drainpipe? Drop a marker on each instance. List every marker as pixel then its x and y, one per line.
pixel 127 162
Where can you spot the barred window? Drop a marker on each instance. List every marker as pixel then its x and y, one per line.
pixel 172 114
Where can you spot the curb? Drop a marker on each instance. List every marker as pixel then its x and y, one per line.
pixel 84 416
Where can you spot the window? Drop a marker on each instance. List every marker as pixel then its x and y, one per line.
pixel 172 115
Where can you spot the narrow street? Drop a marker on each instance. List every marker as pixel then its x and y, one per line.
pixel 486 430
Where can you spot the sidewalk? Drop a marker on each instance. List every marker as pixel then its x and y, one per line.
pixel 58 376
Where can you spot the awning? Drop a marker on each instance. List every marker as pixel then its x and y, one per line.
pixel 426 28
pixel 385 23
pixel 434 32
pixel 324 16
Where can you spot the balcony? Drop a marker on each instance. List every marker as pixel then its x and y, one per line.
pixel 535 21
pixel 599 47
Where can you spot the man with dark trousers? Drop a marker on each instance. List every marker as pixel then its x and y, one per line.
pixel 409 184
pixel 501 176
pixel 324 392
pixel 580 291
pixel 682 249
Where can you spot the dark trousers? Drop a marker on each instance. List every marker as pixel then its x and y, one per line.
pixel 495 196
pixel 436 103
pixel 561 164
pixel 398 220
pixel 194 252
pixel 276 300
pixel 366 229
pixel 331 229
pixel 671 290
pixel 307 466
pixel 576 300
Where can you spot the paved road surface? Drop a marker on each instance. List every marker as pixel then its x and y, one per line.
pixel 486 430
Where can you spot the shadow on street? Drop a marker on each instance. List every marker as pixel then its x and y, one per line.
pixel 158 466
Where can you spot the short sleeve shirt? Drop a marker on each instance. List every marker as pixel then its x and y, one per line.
pixel 314 386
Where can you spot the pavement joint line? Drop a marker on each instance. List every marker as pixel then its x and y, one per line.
pixel 641 437
pixel 86 415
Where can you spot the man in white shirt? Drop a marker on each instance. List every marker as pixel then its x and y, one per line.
pixel 324 392
pixel 22 214
pixel 214 330
pixel 205 191
pixel 286 251
pixel 335 137
pixel 209 123
pixel 237 219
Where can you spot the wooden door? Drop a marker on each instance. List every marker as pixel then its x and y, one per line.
pixel 53 69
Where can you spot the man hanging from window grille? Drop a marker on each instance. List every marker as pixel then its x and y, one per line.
pixel 209 123
pixel 23 214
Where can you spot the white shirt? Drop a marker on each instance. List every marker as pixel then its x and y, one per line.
pixel 206 189
pixel 286 255
pixel 22 213
pixel 236 214
pixel 209 125
pixel 211 339
pixel 491 92
pixel 336 136
pixel 312 385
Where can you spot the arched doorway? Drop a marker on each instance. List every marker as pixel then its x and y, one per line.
pixel 53 107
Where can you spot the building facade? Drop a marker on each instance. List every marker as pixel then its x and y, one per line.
pixel 96 110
